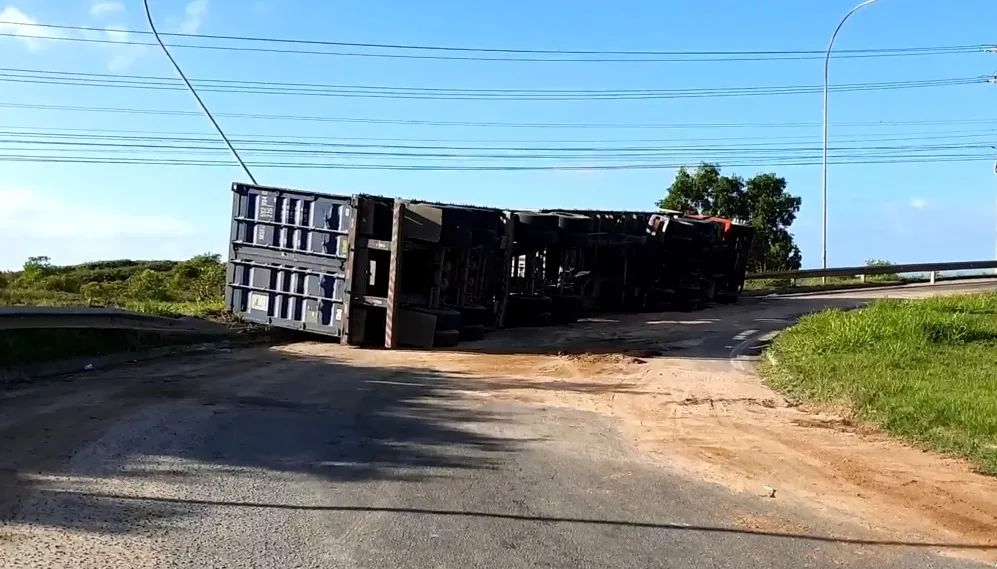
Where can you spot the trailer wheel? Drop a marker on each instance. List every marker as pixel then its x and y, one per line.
pixel 446 319
pixel 726 298
pixel 539 319
pixel 573 240
pixel 472 314
pixel 446 338
pixel 574 222
pixel 484 237
pixel 526 304
pixel 534 220
pixel 456 237
pixel 458 216
pixel 567 308
pixel 521 309
pixel 685 304
pixel 472 333
pixel 536 239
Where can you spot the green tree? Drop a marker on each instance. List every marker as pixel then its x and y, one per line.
pixel 35 268
pixel 761 201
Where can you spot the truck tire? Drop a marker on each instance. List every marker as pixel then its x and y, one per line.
pixel 539 319
pixel 574 222
pixel 534 220
pixel 572 240
pixel 473 314
pixel 567 308
pixel 446 338
pixel 456 237
pixel 536 239
pixel 446 318
pixel 472 333
pixel 526 304
pixel 484 238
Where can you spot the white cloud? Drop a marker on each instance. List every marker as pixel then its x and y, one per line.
pixel 123 54
pixel 104 8
pixel 194 14
pixel 34 215
pixel 918 203
pixel 24 27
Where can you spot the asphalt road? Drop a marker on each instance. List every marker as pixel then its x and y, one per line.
pixel 256 459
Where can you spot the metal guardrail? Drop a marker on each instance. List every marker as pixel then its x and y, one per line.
pixel 930 268
pixel 56 317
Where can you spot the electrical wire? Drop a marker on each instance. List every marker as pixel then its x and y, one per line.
pixel 725 54
pixel 21 135
pixel 849 160
pixel 152 26
pixel 480 124
pixel 67 78
pixel 109 144
pixel 690 58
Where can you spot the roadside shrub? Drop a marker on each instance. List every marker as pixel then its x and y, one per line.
pixel 149 285
pixel 886 277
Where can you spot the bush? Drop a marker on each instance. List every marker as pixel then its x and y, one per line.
pixel 148 285
pixel 885 277
pixel 191 287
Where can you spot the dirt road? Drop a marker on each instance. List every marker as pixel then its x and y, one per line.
pixel 639 441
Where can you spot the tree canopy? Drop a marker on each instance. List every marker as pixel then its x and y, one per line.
pixel 761 201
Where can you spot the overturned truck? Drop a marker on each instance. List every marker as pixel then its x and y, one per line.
pixel 371 270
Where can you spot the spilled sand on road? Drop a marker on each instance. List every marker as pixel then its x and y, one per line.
pixel 707 419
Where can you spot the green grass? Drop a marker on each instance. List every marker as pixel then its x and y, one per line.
pixel 787 284
pixel 213 308
pixel 922 370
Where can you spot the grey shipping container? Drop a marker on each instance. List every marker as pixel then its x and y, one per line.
pixel 288 257
pixel 326 264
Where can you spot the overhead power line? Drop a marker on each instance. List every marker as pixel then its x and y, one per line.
pixel 29 136
pixel 766 162
pixel 675 57
pixel 431 52
pixel 207 113
pixel 78 79
pixel 101 146
pixel 482 124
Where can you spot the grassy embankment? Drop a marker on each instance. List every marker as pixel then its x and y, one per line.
pixel 164 288
pixel 922 370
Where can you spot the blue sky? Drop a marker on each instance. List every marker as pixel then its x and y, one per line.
pixel 908 212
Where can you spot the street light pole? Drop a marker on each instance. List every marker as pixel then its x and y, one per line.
pixel 827 61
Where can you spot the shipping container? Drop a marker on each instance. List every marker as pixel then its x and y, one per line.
pixel 333 265
pixel 287 262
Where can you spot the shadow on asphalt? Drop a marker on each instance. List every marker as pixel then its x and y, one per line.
pixel 539 519
pixel 237 413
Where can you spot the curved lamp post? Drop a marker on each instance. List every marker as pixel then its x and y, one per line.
pixel 827 61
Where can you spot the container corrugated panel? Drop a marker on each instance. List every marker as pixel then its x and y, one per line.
pixel 287 258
